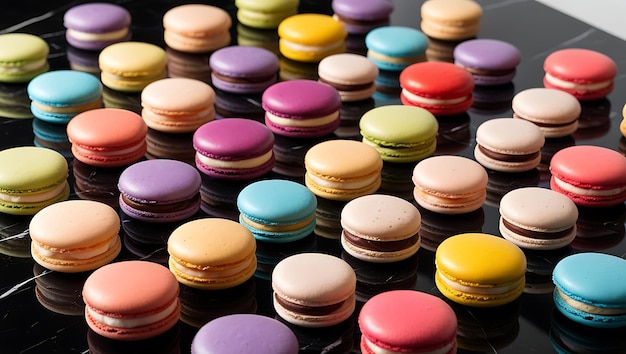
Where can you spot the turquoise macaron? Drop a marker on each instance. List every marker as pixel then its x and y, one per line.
pixel 590 289
pixel 396 47
pixel 57 96
pixel 277 210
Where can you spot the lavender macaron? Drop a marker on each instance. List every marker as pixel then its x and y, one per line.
pixel 160 190
pixel 243 69
pixel 245 333
pixel 361 16
pixel 490 61
pixel 93 26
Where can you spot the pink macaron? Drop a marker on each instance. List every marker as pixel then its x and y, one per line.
pixel 234 148
pixel 301 108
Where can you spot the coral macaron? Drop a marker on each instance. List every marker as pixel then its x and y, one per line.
pixel 301 108
pixel 142 303
pixel 439 87
pixel 75 236
pixel 591 176
pixel 234 148
pixel 196 28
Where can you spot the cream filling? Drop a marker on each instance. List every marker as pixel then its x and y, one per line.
pixel 278 228
pixel 378 350
pixel 33 198
pixel 69 254
pixel 213 272
pixel 126 151
pixel 304 123
pixel 588 308
pixel 396 60
pixel 495 290
pixel 25 67
pixel 165 116
pixel 590 192
pixel 107 36
pixel 69 109
pixel 311 48
pixel 362 183
pixel 246 163
pixel 132 322
pixel 431 101
pixel 578 86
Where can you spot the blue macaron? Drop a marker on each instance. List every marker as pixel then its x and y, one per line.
pixel 277 210
pixel 590 288
pixel 396 47
pixel 57 96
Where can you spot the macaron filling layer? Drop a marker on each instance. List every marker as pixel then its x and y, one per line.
pixel 395 59
pixel 593 192
pixel 379 350
pixel 508 157
pixel 576 85
pixel 25 67
pixel 311 48
pixel 525 232
pixel 447 201
pixel 338 183
pixel 236 164
pixel 81 253
pixel 478 289
pixel 340 309
pixel 35 196
pixel 303 123
pixel 433 101
pixel 277 228
pixel 380 246
pixel 213 272
pixel 90 36
pixel 138 320
pixel 590 308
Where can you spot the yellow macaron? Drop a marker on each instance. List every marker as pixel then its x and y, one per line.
pixel 311 37
pixel 131 66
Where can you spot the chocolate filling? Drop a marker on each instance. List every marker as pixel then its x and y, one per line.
pixel 484 72
pixel 307 310
pixel 381 246
pixel 379 22
pixel 537 234
pixel 244 80
pixel 346 87
pixel 504 157
pixel 159 207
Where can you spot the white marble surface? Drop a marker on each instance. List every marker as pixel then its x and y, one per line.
pixel 606 15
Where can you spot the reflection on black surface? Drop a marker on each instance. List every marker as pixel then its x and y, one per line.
pixel 147 241
pixel 437 227
pixel 500 183
pixel 549 148
pixel 188 65
pixel 328 218
pixel 289 156
pixel 594 121
pixel 599 229
pixel 122 100
pixel 349 116
pixel 492 100
pixel 268 254
pixel 83 60
pixel 337 339
pixel 238 106
pixel 163 145
pixel 14 236
pixel 396 180
pixel 440 50
pixel 14 101
pixel 60 292
pixel 568 336
pixel 267 39
pixel 294 70
pixel 96 183
pixel 539 267
pixel 453 135
pixel 52 136
pixel 165 343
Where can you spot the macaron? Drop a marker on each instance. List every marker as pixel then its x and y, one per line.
pixel 240 332
pixel 177 105
pixel 451 20
pixel 265 14
pixel 75 236
pixel 196 28
pixel 352 75
pixel 592 176
pixel 301 108
pixel 479 270
pixel 407 321
pixel 212 253
pixel 508 145
pixel 277 210
pixel 160 190
pixel 142 302
pixel 587 74
pixel 590 289
pixel 393 48
pixel 490 61
pixel 554 111
pixel 442 88
pixel 310 37
pixel 93 26
pixel 450 184
pixel 380 228
pixel 107 137
pixel 359 17
pixel 130 66
pixel 243 69
pixel 22 57
pixel 57 96
pixel 342 169
pixel 537 218
pixel 234 148
pixel 400 133
pixel 313 290
pixel 31 178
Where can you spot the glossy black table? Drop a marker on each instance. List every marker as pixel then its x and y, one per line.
pixel 28 325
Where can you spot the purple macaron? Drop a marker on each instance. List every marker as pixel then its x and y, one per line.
pixel 93 26
pixel 243 69
pixel 245 333
pixel 160 190
pixel 490 61
pixel 301 108
pixel 361 16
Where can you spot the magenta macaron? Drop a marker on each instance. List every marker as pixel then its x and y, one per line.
pixel 243 69
pixel 301 108
pixel 234 148
pixel 490 61
pixel 93 26
pixel 160 190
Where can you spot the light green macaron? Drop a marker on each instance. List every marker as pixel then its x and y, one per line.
pixel 400 133
pixel 22 57
pixel 266 14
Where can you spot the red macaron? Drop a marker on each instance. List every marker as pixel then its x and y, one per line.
pixel 439 87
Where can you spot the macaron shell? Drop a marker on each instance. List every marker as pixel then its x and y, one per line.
pixel 236 61
pixel 286 99
pixel 589 67
pixel 222 139
pixel 451 19
pixel 29 169
pixel 62 88
pixel 344 164
pixel 491 61
pixel 384 320
pixel 18 50
pixel 131 66
pixel 556 112
pixel 159 289
pixel 427 79
pixel 186 28
pixel 347 70
pixel 395 47
pixel 99 21
pixel 311 29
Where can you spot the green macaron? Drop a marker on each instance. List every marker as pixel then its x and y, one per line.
pixel 400 133
pixel 22 57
